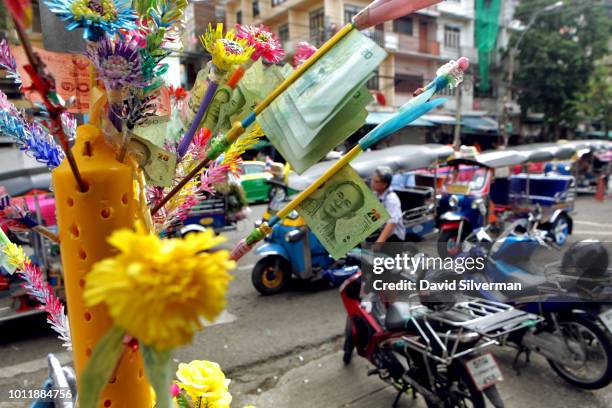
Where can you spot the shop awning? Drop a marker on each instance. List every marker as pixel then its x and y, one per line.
pixel 481 125
pixel 478 125
pixel 375 118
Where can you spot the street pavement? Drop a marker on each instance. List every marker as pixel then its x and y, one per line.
pixel 283 351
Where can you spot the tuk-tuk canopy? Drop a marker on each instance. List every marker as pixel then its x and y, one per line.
pixel 398 158
pixel 492 159
pixel 529 153
pixel 541 152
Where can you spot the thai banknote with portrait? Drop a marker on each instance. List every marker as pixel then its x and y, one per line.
pixel 158 164
pixel 343 212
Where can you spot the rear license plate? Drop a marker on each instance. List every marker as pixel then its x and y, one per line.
pixel 484 371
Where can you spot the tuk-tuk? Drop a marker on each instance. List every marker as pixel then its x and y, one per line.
pixel 292 250
pixel 482 190
pixel 593 160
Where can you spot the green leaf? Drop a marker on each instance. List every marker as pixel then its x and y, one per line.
pixel 158 367
pixel 182 401
pixel 100 367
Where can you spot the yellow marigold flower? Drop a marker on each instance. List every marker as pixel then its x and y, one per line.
pixel 226 51
pixel 204 380
pixel 158 290
pixel 15 256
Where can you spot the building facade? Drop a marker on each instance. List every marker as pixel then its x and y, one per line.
pixel 417 44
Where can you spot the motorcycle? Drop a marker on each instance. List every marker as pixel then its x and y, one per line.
pixel 292 251
pixel 575 335
pixel 434 351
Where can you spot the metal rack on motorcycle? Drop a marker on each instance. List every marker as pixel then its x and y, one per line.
pixel 465 327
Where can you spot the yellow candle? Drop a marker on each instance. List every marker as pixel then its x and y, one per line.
pixel 85 220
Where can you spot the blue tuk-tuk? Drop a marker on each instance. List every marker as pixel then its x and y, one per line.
pixel 482 190
pixel 293 251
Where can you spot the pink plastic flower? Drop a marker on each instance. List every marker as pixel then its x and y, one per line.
pixel 303 51
pixel 266 45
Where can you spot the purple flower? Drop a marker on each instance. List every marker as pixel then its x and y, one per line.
pixel 118 63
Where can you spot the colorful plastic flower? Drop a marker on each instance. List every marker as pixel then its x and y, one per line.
pixel 158 290
pixel 29 136
pixel 241 145
pixel 117 63
pixel 15 256
pixel 265 43
pixel 214 174
pixel 303 51
pixel 95 16
pixel 37 286
pixel 226 51
pixel 205 383
pixel 8 62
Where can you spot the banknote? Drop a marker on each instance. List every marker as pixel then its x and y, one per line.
pixel 350 118
pixel 157 164
pixel 255 85
pixel 321 92
pixel 153 129
pixel 296 120
pixel 343 212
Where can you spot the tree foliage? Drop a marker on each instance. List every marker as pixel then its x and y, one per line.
pixel 557 57
pixel 594 103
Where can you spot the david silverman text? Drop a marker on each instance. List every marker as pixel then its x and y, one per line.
pixel 406 284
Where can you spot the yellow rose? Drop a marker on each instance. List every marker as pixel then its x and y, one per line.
pixel 204 380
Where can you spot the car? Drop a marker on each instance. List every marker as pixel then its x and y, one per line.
pixel 254 180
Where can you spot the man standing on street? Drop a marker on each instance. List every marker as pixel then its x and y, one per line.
pixel 394 230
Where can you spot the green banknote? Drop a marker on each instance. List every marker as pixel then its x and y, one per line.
pixel 350 118
pixel 257 82
pixel 343 212
pixel 297 119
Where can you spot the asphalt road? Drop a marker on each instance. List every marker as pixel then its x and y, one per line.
pixel 282 351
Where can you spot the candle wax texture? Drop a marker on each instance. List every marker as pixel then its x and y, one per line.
pixel 85 220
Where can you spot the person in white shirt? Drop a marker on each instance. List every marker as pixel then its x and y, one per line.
pixel 394 230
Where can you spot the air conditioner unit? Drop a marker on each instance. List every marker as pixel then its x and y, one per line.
pixel 391 41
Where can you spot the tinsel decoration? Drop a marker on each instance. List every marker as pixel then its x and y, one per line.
pixel 31 137
pixel 8 63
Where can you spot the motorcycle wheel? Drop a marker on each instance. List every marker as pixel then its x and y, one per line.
pixel 464 393
pixel 349 343
pixel 447 243
pixel 559 230
pixel 271 275
pixel 598 351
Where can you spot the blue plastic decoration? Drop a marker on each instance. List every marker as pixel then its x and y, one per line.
pixel 96 17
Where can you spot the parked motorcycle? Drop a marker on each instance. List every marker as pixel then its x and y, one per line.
pixel 436 352
pixel 572 295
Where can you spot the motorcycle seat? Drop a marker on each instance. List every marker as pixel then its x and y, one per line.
pixel 527 280
pixel 398 315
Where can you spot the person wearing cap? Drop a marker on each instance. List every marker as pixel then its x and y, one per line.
pixel 394 230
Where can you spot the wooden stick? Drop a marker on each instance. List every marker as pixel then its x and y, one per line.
pixel 42 86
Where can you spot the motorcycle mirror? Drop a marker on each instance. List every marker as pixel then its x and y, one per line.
pixel 483 236
pixel 191 229
pixel 294 235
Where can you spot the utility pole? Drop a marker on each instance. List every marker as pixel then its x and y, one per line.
pixel 505 116
pixel 457 137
